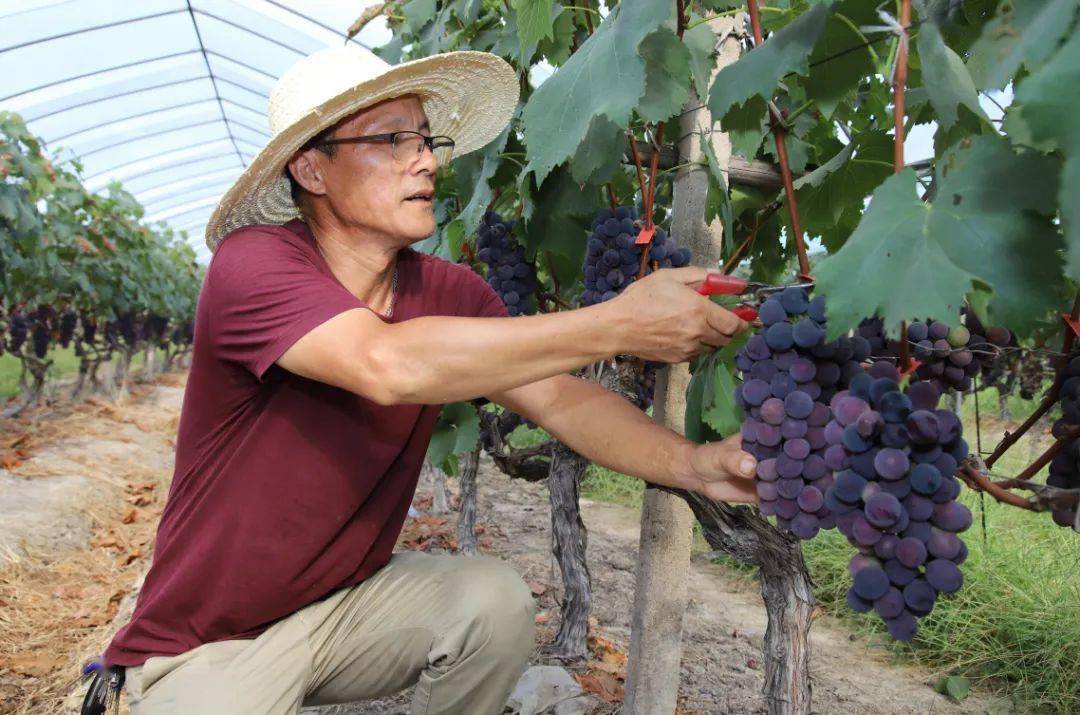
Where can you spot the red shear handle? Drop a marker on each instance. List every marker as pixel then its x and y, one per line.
pixel 745 312
pixel 721 284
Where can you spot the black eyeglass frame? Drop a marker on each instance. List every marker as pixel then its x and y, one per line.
pixel 391 139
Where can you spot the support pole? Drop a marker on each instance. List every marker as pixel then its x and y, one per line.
pixel 652 679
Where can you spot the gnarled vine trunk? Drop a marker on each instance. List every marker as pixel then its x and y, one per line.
pixel 569 539
pixel 466 528
pixel 785 586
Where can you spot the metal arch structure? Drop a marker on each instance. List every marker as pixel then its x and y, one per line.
pixel 142 103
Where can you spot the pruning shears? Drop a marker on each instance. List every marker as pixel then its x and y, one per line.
pixel 722 284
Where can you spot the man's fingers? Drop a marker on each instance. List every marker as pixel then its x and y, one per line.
pixel 688 275
pixel 739 463
pixel 724 321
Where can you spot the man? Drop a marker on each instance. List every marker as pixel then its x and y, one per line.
pixel 323 349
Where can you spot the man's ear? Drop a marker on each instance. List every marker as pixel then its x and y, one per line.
pixel 306 170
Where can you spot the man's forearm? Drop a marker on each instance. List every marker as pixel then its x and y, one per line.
pixel 443 359
pixel 608 430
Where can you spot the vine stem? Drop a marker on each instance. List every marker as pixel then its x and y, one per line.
pixel 899 83
pixel 733 259
pixel 978 480
pixel 780 135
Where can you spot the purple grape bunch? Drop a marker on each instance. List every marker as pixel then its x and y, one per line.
pixel 509 272
pixel 895 496
pixel 68 320
pixel 613 258
pixel 949 356
pixel 17 332
pixel 1065 466
pixel 790 373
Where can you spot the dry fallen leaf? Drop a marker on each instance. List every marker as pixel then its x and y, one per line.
pixel 34 665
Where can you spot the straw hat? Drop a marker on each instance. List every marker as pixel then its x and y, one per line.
pixel 469 96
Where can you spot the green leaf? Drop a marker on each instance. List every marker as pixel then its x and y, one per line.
pixel 1023 33
pixel 600 155
pixel 834 81
pixel 994 204
pixel 991 204
pixel 891 250
pixel 718 193
pixel 667 83
pixel 758 72
pixel 953 686
pixel 417 14
pixel 701 43
pixel 831 197
pixel 1048 105
pixel 535 20
pixel 606 76
pixel 719 409
pixel 456 431
pixel 947 81
pixel 556 50
pixel 746 125
pixel 560 212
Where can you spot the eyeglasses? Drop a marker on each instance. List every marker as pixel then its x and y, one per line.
pixel 405 146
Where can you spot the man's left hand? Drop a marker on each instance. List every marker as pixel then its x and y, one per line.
pixel 722 471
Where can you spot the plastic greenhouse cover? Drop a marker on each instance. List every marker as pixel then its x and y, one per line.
pixel 166 96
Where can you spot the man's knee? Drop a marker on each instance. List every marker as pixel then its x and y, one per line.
pixel 492 596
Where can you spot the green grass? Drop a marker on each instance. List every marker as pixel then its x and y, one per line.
pixel 1014 628
pixel 65 365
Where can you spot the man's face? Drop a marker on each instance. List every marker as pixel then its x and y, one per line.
pixel 369 188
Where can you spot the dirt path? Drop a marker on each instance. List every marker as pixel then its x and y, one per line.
pixel 77 520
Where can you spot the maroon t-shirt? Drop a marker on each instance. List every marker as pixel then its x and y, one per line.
pixel 285 489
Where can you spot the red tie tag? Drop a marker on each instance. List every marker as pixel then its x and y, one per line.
pixel 645 236
pixel 1074 325
pixel 913 365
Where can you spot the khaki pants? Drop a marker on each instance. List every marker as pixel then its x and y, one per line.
pixel 458 627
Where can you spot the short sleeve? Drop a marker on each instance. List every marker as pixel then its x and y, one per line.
pixel 265 293
pixel 476 299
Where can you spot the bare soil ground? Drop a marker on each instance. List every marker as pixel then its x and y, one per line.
pixel 81 489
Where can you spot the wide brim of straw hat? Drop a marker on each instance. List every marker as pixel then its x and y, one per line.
pixel 469 96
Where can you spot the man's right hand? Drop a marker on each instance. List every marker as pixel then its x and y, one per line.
pixel 664 319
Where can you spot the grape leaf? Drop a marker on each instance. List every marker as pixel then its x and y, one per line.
pixel 1023 33
pixel 758 72
pixel 831 197
pixel 1048 102
pixel 667 84
pixel 600 155
pixel 701 42
pixel 535 21
pixel 606 76
pixel 947 81
pixel 829 85
pixel 991 203
pixel 911 272
pixel 719 409
pixel 457 430
pixel 745 126
pixel 559 215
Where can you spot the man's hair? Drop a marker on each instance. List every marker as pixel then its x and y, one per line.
pixel 295 189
